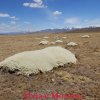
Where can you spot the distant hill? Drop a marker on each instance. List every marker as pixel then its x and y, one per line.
pixel 14 33
pixel 85 30
pixel 68 30
pixel 53 30
pixel 71 30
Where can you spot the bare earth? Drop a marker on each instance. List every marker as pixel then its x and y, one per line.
pixel 83 78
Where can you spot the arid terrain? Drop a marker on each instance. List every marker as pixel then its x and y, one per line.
pixel 82 78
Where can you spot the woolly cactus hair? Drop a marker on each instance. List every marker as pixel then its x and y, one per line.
pixel 85 36
pixel 44 42
pixel 59 41
pixel 52 43
pixel 61 55
pixel 64 37
pixel 32 62
pixel 72 44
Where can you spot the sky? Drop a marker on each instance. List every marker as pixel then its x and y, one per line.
pixel 34 15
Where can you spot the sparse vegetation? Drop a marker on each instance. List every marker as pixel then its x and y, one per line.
pixel 82 78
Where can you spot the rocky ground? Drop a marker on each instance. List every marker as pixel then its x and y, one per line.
pixel 82 79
